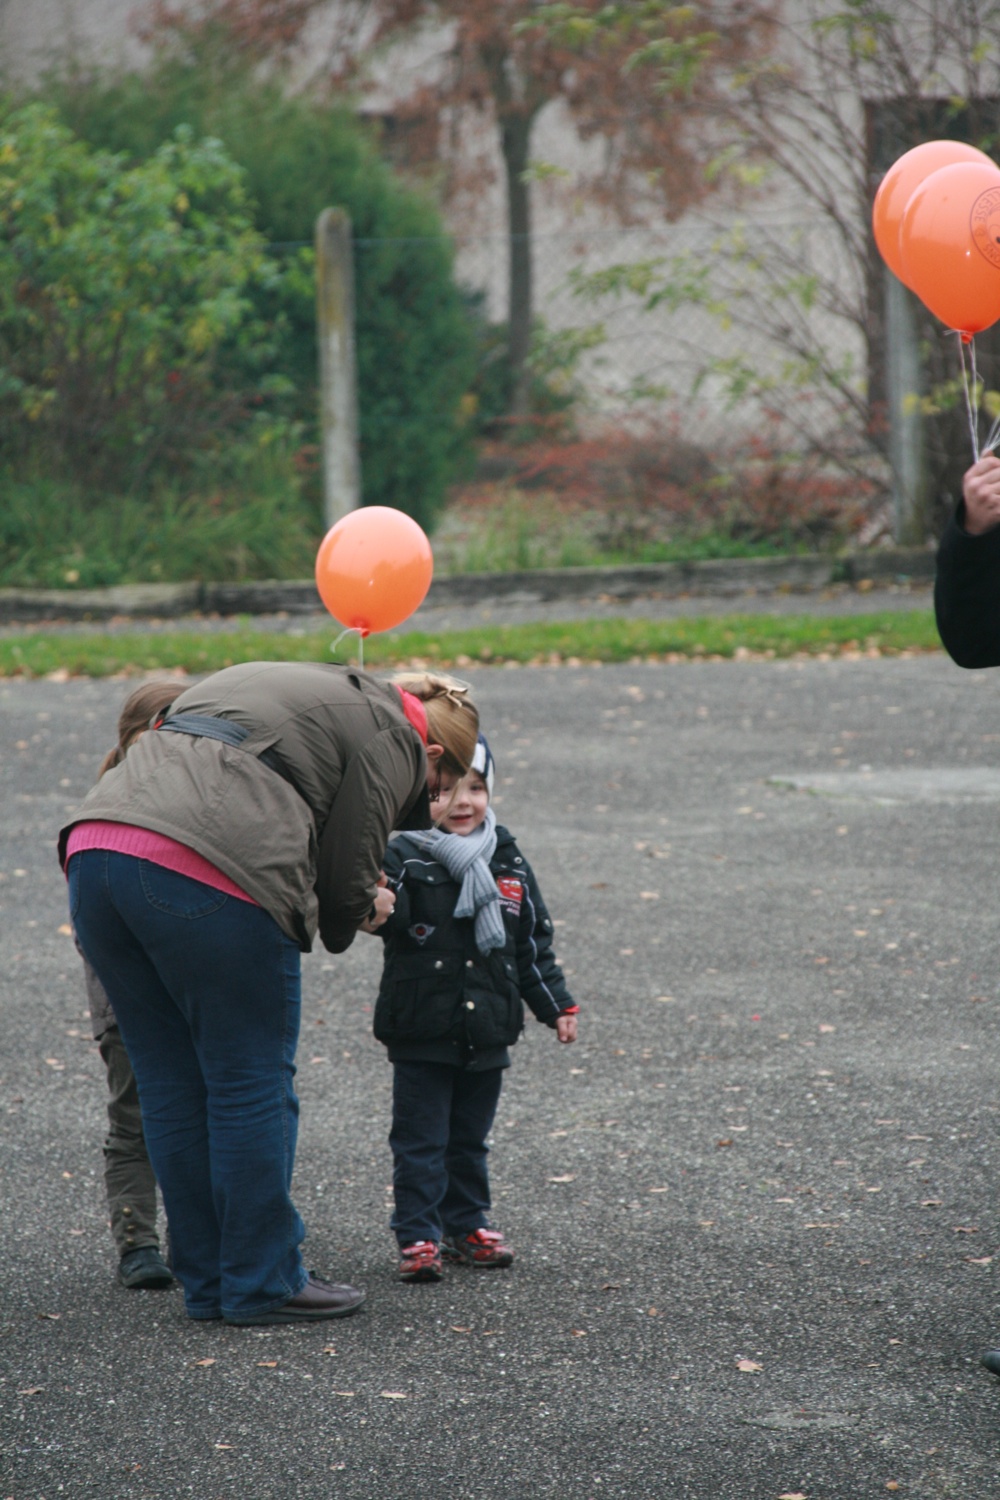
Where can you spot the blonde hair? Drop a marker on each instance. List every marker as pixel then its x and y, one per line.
pixel 452 717
pixel 147 702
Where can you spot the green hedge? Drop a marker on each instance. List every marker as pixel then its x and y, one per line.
pixel 415 340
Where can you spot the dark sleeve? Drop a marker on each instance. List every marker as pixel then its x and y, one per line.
pixel 967 594
pixel 380 782
pixel 541 980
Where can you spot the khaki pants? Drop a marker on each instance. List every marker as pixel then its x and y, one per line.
pixel 128 1176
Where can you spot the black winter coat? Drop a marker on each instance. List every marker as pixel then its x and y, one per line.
pixel 440 999
pixel 967 594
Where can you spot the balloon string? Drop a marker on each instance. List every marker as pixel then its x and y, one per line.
pixel 352 630
pixel 971 397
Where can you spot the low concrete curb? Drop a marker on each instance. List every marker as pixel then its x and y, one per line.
pixel 723 578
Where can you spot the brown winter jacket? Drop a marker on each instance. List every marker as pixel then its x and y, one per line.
pixel 308 848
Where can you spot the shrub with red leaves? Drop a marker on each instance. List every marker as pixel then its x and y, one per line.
pixel 652 483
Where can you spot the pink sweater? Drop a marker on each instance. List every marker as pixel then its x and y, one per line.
pixel 142 843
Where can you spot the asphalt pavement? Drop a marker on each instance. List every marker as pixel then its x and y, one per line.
pixel 754 1205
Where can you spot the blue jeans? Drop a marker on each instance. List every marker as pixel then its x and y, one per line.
pixel 206 989
pixel 441 1116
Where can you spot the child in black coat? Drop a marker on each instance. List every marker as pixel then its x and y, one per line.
pixel 468 940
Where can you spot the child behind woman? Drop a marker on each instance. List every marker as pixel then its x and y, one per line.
pixel 128 1176
pixel 469 937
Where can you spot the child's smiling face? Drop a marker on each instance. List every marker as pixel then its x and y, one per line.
pixel 468 805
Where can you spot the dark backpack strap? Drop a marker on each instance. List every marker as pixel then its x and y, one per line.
pixel 204 726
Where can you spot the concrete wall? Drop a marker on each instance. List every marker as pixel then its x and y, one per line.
pixel 36 33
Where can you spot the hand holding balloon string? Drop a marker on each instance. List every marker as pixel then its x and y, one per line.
pixel 981 492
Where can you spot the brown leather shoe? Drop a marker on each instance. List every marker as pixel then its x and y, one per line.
pixel 317 1301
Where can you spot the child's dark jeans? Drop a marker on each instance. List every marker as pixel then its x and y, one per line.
pixel 441 1116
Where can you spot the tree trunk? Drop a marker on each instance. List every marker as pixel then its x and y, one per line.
pixel 516 138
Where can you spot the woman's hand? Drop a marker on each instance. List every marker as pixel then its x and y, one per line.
pixel 382 907
pixel 981 492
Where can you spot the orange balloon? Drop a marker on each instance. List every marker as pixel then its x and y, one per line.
pixel 901 181
pixel 373 568
pixel 949 238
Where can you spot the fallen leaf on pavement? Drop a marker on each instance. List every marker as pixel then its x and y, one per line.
pixel 204 1362
pixel 749 1366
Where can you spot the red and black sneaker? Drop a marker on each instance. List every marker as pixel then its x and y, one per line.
pixel 483 1247
pixel 420 1262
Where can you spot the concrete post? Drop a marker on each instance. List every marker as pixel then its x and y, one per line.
pixel 337 365
pixel 904 381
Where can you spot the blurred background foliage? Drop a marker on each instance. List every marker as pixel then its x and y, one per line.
pixel 157 325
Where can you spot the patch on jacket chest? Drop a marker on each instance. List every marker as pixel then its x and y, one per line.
pixel 511 893
pixel 420 931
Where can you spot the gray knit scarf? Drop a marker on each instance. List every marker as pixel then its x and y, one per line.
pixel 466 857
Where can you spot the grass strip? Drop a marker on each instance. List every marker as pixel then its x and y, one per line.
pixel 741 636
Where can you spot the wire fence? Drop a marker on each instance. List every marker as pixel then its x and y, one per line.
pixel 717 357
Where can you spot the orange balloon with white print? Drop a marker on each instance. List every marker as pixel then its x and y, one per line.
pixel 949 238
pixel 899 184
pixel 373 568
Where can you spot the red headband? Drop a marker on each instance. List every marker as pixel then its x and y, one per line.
pixel 415 711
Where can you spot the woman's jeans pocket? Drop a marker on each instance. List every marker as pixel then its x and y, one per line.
pixel 178 895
